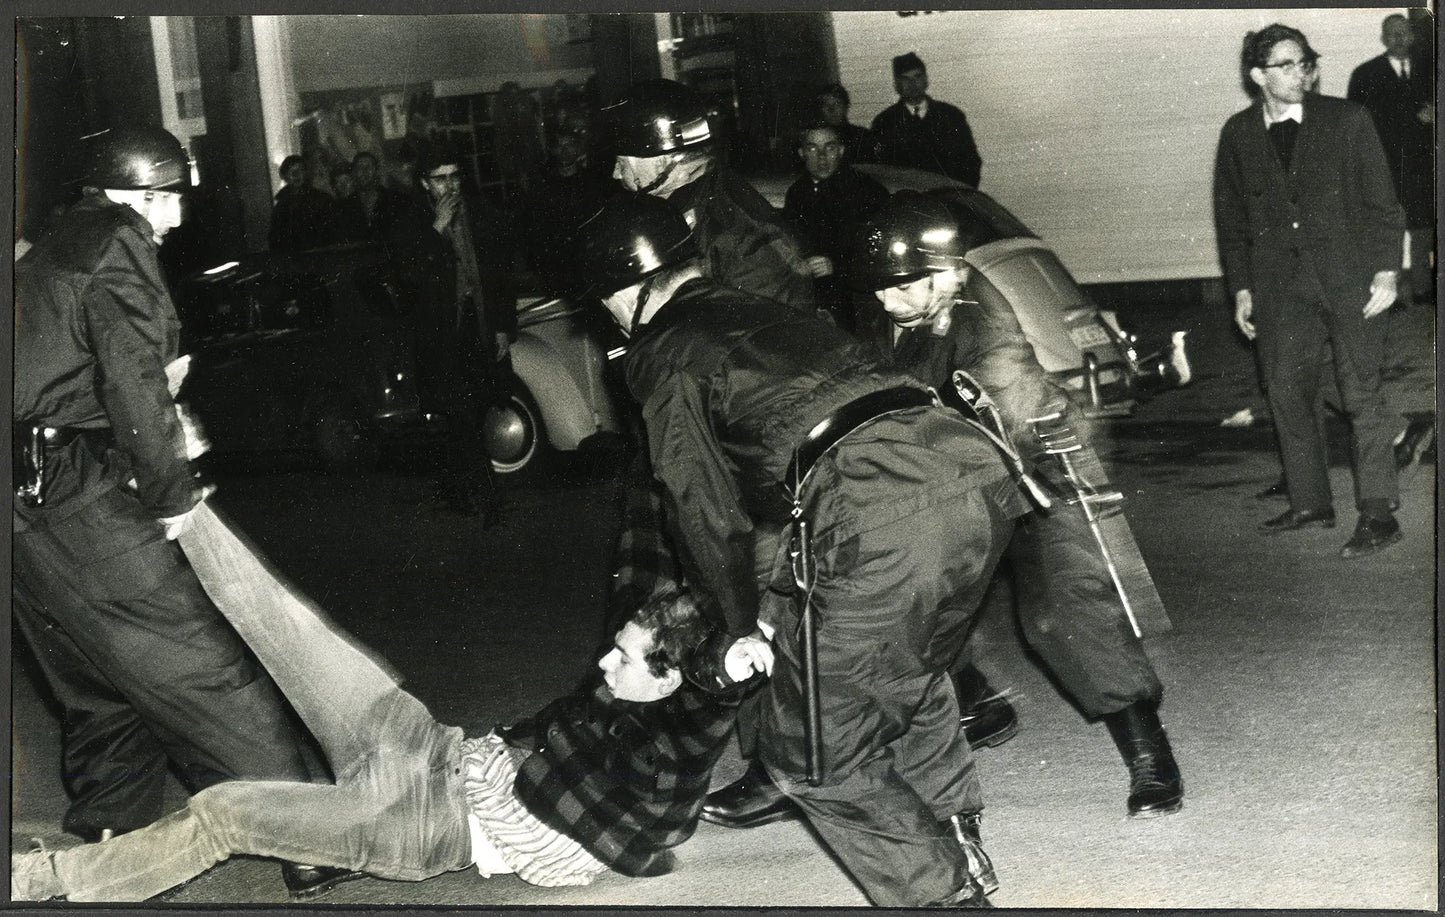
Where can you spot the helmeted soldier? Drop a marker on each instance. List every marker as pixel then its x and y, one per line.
pixel 928 324
pixel 150 677
pixel 665 147
pixel 756 416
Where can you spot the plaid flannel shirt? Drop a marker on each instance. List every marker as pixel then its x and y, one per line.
pixel 623 779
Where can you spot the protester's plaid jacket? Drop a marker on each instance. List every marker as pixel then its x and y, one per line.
pixel 624 779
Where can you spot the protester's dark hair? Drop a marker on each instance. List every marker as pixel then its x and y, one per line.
pixel 288 162
pixel 837 91
pixel 365 154
pixel 1257 45
pixel 677 627
pixel 818 124
pixel 434 155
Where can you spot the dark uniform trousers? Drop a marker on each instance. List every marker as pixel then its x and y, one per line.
pixel 150 674
pixel 1298 330
pixel 910 514
pixel 1070 612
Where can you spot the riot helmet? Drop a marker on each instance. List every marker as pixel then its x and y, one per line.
pixel 658 116
pixel 631 238
pixel 135 159
pixel 913 235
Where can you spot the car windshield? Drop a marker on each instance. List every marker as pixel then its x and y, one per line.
pixel 254 302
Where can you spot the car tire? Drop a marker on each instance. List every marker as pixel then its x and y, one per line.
pixel 514 435
pixel 342 438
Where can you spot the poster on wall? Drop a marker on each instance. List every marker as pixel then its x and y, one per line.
pixel 393 116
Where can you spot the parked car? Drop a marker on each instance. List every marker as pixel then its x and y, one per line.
pixel 305 351
pixel 1081 345
pixel 311 352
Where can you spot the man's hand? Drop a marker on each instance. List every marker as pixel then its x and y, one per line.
pixel 177 524
pixel 1382 293
pixel 446 209
pixel 748 656
pixel 819 266
pixel 1244 313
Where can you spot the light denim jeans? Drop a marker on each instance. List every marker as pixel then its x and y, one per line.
pixel 397 809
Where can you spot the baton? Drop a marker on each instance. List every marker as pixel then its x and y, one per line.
pixel 1061 442
pixel 804 577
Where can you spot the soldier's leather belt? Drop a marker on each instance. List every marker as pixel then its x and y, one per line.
pixel 826 434
pixel 97 439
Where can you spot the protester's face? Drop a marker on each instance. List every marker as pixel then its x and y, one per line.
pixel 639 173
pixel 822 153
pixel 1285 75
pixel 832 110
pixel 625 668
pixel 1398 37
pixel 911 85
pixel 912 304
pixel 443 181
pixel 344 184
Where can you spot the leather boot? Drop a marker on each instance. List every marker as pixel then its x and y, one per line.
pixel 971 895
pixel 1155 787
pixel 750 801
pixel 965 827
pixel 987 718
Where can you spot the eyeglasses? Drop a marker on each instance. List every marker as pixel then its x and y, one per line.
pixel 822 147
pixel 445 176
pixel 1291 66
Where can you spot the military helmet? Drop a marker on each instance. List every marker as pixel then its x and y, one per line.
pixel 632 237
pixel 135 158
pixel 913 235
pixel 658 116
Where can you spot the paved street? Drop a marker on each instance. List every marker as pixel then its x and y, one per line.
pixel 1300 690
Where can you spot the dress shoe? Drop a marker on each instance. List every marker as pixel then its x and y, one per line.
pixel 1155 787
pixel 1292 519
pixel 304 881
pixel 990 722
pixel 750 801
pixel 1417 436
pixel 1279 490
pixel 965 827
pixel 1372 533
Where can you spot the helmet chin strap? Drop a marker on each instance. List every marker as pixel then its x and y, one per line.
pixel 644 293
pixel 661 178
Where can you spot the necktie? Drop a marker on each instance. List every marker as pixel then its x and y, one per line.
pixel 1283 134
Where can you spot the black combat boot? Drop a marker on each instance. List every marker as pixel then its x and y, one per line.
pixel 1155 787
pixel 750 801
pixel 986 715
pixel 965 826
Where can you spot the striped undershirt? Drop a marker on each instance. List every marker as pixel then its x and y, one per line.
pixel 502 826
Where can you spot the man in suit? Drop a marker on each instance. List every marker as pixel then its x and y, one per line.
pixel 1309 234
pixel 920 132
pixel 1397 91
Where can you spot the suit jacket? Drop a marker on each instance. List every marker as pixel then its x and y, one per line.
pixel 1409 144
pixel 939 142
pixel 1334 211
